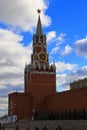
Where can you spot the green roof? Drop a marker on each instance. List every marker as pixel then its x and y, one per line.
pixel 39 27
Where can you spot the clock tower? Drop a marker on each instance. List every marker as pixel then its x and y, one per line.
pixel 39 75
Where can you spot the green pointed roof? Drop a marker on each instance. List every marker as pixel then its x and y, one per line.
pixel 39 26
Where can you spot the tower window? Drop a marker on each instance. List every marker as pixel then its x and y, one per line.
pixel 37 39
pixel 41 39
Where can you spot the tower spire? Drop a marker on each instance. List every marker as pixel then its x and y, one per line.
pixel 39 26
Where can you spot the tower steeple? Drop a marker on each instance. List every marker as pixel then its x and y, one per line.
pixel 39 31
pixel 40 57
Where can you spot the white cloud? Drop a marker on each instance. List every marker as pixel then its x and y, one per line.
pixel 66 50
pixel 54 50
pixel 12 52
pixel 61 38
pixel 58 39
pixel 62 83
pixel 13 56
pixel 51 35
pixel 61 66
pixel 81 47
pixel 22 14
pixel 3 106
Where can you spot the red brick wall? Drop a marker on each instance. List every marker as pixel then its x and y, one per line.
pixel 68 100
pixel 21 105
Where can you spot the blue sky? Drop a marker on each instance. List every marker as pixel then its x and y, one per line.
pixel 65 25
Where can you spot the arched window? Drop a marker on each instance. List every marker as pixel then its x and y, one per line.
pixel 41 39
pixel 37 39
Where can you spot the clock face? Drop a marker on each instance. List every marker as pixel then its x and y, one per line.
pixel 42 56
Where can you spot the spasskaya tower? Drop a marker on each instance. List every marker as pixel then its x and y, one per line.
pixel 40 76
pixel 39 80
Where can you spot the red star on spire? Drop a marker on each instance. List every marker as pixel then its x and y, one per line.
pixel 38 11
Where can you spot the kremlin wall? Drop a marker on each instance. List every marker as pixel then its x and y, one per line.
pixel 40 86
